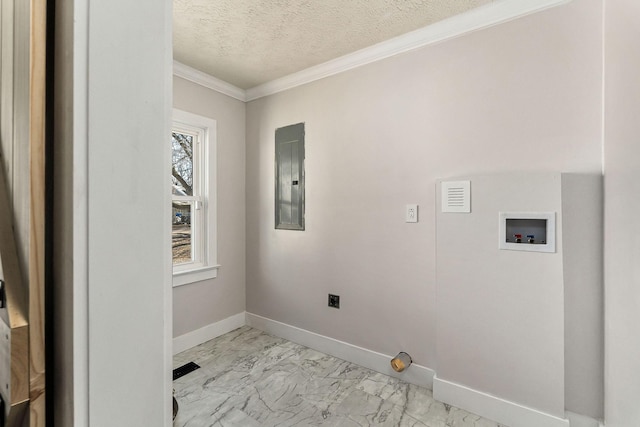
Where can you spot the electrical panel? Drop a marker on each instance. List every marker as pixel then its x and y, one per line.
pixel 289 192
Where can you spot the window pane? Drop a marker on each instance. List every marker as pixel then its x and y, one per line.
pixel 181 241
pixel 182 164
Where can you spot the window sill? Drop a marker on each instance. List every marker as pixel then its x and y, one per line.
pixel 187 277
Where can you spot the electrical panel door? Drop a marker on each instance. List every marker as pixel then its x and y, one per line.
pixel 289 179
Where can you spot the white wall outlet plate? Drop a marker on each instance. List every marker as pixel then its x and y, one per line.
pixel 411 213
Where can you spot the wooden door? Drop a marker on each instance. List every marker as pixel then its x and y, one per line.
pixel 22 214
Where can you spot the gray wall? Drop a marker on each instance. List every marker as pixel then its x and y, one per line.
pixel 508 320
pixel 202 303
pixel 622 225
pixel 582 269
pixel 500 312
pixel 525 95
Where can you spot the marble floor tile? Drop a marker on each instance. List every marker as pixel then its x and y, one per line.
pixel 249 378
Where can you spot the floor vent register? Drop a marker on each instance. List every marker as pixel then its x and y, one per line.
pixel 184 370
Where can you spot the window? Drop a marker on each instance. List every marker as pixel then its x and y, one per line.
pixel 193 200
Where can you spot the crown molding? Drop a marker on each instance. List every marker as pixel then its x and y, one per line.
pixel 485 16
pixel 208 81
pixel 482 17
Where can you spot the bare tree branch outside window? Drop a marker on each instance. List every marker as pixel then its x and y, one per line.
pixel 182 185
pixel 182 164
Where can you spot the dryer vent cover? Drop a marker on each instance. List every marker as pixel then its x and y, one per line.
pixel 456 196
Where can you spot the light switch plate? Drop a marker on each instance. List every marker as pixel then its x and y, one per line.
pixel 411 213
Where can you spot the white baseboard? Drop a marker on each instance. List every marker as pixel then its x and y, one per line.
pixel 415 374
pixel 493 408
pixel 209 332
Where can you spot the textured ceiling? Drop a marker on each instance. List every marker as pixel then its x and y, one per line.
pixel 250 42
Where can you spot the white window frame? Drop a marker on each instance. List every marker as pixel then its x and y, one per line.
pixel 204 220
